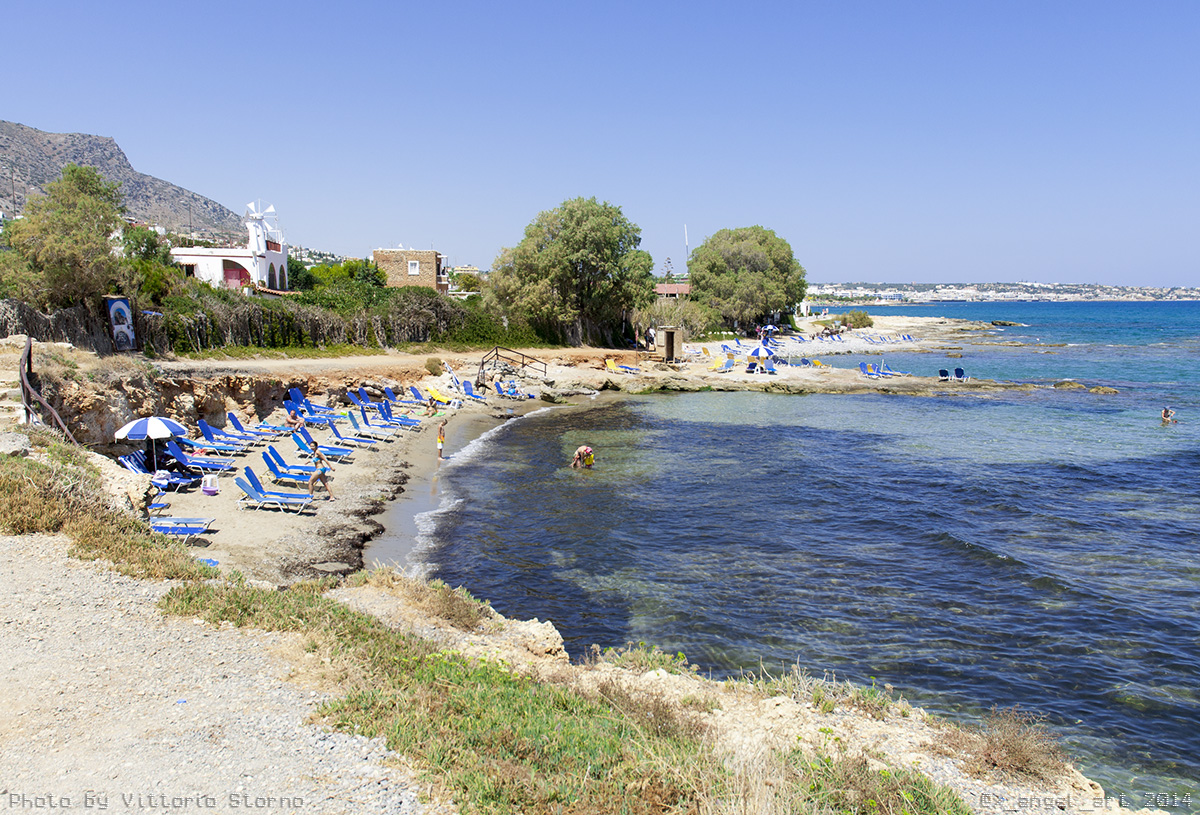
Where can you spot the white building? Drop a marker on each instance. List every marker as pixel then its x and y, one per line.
pixel 262 265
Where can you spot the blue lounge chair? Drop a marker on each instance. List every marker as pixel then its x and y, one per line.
pixel 253 496
pixel 254 482
pixel 418 395
pixel 214 436
pixel 887 371
pixel 307 444
pixel 136 463
pixel 359 402
pixel 396 399
pixel 374 431
pixel 181 532
pixel 217 447
pixel 500 390
pixel 308 415
pixel 769 366
pixel 728 366
pixel 960 375
pixel 392 419
pixel 943 375
pixel 867 370
pixel 305 469
pixel 278 475
pixel 469 390
pixel 260 430
pixel 360 441
pixel 198 462
pixel 752 367
pixel 301 399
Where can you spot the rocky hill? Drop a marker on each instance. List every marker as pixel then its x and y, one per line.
pixel 30 159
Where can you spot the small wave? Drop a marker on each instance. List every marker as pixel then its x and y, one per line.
pixel 426 541
pixel 476 447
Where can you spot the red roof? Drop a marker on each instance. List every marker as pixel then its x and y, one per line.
pixel 672 289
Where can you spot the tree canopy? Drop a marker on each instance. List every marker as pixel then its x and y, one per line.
pixel 746 274
pixel 576 273
pixel 65 240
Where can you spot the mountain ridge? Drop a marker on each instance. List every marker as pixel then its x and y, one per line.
pixel 31 158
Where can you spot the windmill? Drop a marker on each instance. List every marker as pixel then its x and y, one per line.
pixel 263 225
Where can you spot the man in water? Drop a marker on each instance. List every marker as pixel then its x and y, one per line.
pixel 584 457
pixel 1168 416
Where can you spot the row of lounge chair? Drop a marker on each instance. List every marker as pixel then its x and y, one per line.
pixel 880 371
pixel 959 375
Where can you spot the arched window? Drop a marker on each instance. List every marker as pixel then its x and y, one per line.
pixel 271 277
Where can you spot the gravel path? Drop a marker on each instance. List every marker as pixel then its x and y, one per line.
pixel 106 701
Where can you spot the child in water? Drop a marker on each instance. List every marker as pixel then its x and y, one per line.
pixel 584 457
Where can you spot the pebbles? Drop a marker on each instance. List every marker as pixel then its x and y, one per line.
pixel 102 698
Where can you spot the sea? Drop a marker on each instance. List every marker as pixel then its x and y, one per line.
pixel 1035 548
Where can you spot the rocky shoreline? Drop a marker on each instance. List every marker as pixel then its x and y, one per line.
pixel 276 549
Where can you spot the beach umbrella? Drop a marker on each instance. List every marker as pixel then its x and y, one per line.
pixel 762 351
pixel 152 427
pixel 767 328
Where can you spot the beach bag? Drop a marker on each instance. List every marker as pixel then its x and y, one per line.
pixel 208 485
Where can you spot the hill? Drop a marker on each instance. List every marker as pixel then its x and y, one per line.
pixel 30 159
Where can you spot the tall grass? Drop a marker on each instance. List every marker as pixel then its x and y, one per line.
pixel 63 494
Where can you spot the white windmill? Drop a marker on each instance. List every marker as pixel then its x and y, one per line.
pixel 266 244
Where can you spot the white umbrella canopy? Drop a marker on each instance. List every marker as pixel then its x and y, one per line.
pixel 152 427
pixel 762 351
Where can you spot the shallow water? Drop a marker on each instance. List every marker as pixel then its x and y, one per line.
pixel 1040 549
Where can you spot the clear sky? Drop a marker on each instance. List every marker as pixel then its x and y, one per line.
pixel 965 140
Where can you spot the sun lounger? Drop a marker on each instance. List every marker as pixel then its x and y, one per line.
pixel 261 430
pixel 615 368
pixel 469 390
pixel 943 375
pixel 163 479
pixel 438 396
pixel 306 445
pixel 360 441
pixel 215 437
pixel 253 497
pixel 396 399
pixel 381 432
pixel 252 479
pixel 279 474
pixel 181 532
pixel 727 367
pixel 960 375
pixel 768 366
pixel 198 462
pixel 301 399
pixel 867 370
pixel 886 371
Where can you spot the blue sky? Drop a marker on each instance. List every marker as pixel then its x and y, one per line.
pixel 886 141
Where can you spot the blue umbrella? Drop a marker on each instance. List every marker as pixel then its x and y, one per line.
pixel 762 351
pixel 152 427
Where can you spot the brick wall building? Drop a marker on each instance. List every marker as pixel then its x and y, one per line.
pixel 413 267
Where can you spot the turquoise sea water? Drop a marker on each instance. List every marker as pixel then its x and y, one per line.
pixel 1035 548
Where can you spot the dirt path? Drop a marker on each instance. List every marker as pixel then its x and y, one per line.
pixel 103 700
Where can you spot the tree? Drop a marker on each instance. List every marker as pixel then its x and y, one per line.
pixel 746 274
pixel 576 273
pixel 297 274
pixel 66 237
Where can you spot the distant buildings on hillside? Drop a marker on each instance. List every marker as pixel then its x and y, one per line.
pixel 884 293
pixel 261 265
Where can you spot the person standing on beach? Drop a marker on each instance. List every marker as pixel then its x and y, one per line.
pixel 322 474
pixel 441 438
pixel 1168 416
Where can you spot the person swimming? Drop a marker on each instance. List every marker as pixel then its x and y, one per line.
pixel 584 457
pixel 1168 417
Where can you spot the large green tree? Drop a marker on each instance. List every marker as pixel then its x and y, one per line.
pixel 66 241
pixel 576 273
pixel 746 274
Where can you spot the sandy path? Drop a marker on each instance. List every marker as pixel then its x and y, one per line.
pixel 103 699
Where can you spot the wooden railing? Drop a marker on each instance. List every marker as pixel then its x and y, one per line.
pixel 501 356
pixel 29 393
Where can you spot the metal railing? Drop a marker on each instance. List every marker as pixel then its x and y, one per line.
pixel 506 356
pixel 29 393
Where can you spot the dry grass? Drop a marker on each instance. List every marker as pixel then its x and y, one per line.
pixel 63 494
pixel 455 606
pixel 827 693
pixel 1011 743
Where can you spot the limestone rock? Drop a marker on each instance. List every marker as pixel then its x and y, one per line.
pixel 1102 389
pixel 14 444
pixel 1069 384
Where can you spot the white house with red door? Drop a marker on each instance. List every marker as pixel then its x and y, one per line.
pixel 261 266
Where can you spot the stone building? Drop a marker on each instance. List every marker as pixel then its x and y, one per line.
pixel 413 267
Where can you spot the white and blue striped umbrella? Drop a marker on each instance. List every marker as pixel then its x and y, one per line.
pixel 762 351
pixel 152 427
